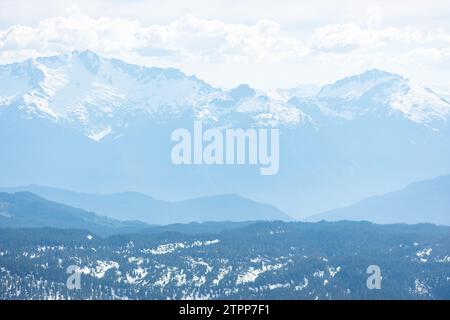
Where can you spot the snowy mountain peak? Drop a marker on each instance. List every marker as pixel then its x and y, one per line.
pixel 94 94
pixel 355 86
pixel 90 60
pixel 376 73
pixel 419 104
pixel 386 93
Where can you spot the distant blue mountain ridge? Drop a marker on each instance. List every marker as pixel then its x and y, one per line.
pixel 140 207
pixel 423 201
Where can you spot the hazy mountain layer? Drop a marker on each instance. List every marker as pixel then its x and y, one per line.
pixel 137 206
pixel 424 201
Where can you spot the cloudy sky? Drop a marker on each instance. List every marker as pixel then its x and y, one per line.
pixel 268 44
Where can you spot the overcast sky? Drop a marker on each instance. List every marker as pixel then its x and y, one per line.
pixel 268 44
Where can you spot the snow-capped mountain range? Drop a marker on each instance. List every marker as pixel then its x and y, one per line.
pixel 87 123
pixel 98 96
pixel 395 94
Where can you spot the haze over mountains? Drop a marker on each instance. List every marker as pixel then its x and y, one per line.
pixel 140 207
pixel 423 201
pixel 82 122
pixel 27 210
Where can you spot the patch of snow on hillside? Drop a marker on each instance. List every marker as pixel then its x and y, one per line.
pixel 424 254
pixel 253 273
pixel 333 271
pixel 420 288
pixel 303 285
pixel 166 248
pixel 318 274
pixel 221 275
pixel 102 267
pixel 171 247
pixel 164 279
pixel 136 275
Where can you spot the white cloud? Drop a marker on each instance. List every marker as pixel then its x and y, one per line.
pixel 200 39
pixel 196 44
pixel 349 36
pixel 188 37
pixel 213 40
pixel 73 32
